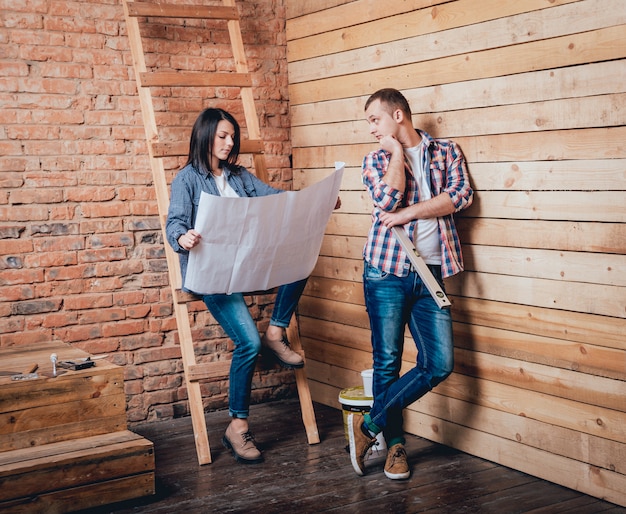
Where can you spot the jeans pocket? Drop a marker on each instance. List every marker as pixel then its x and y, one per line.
pixel 373 273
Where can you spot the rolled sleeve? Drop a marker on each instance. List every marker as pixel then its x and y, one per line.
pixel 384 196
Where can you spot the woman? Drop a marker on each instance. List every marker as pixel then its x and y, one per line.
pixel 212 168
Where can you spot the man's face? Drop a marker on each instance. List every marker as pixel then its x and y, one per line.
pixel 381 121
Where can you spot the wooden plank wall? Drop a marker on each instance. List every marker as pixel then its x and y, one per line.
pixel 535 93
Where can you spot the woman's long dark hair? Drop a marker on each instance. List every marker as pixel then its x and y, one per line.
pixel 203 136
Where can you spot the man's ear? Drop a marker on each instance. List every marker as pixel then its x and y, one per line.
pixel 398 115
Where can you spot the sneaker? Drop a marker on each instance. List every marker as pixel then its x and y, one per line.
pixel 283 352
pixel 396 466
pixel 360 443
pixel 242 446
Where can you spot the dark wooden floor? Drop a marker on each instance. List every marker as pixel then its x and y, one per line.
pixel 297 477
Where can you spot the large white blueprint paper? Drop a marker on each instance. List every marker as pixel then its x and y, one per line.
pixel 255 244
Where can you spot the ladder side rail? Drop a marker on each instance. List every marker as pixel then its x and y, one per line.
pixel 181 311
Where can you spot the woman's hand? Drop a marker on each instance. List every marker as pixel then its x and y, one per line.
pixel 189 239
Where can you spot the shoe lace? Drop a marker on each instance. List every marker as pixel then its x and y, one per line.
pixel 248 438
pixel 400 454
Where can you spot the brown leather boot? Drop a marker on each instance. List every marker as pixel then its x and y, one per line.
pixel 242 446
pixel 283 352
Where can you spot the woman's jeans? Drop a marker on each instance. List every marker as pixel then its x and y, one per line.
pixel 393 302
pixel 231 312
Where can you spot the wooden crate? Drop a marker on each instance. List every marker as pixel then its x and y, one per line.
pixel 64 440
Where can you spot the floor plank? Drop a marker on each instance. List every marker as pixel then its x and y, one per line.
pixel 302 478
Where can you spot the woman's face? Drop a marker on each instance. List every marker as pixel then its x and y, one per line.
pixel 223 142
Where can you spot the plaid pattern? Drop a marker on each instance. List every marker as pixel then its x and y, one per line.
pixel 448 173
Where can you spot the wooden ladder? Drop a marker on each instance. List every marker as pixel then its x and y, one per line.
pixel 240 78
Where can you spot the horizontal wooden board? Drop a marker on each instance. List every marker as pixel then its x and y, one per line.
pixel 65 432
pixel 557 22
pixel 541 406
pixel 557 145
pixel 576 113
pixel 556 235
pixel 585 328
pixel 55 416
pixel 570 296
pixel 561 470
pixel 84 497
pixel 603 206
pixel 385 26
pixel 595 268
pixel 349 326
pixel 31 471
pixel 595 46
pixel 558 382
pixel 306 17
pixel 589 79
pixel 601 452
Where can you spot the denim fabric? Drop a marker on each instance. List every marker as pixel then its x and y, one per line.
pixel 231 312
pixel 287 300
pixel 392 302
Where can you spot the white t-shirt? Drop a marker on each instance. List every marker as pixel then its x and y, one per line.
pixel 426 236
pixel 223 186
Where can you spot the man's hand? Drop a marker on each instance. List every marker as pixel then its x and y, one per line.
pixel 398 217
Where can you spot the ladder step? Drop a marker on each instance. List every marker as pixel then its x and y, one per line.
pixel 207 370
pixel 182 11
pixel 174 149
pixel 178 79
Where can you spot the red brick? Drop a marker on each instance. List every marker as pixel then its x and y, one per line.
pixel 11 277
pixel 55 244
pixel 123 328
pixel 101 226
pixel 49 259
pixel 104 210
pixel 8 325
pixel 16 293
pixel 87 317
pixel 79 333
pixel 26 338
pixel 89 194
pixel 103 346
pixel 105 254
pixel 88 301
pixel 63 288
pixel 18 246
pixel 59 319
pixel 128 297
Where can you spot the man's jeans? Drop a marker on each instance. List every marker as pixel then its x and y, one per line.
pixel 393 302
pixel 231 312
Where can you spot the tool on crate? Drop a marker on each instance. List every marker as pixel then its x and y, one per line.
pixel 421 267
pixel 28 373
pixel 77 364
pixel 53 359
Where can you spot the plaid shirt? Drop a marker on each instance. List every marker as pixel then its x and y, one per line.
pixel 448 173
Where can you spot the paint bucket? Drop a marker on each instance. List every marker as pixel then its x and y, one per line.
pixel 353 400
pixel 368 376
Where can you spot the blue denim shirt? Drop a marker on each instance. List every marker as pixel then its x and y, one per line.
pixel 185 197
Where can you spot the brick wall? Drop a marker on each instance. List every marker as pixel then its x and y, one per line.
pixel 81 251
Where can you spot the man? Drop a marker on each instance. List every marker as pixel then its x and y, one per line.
pixel 416 182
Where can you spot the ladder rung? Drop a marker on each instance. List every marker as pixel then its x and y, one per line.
pixel 203 371
pixel 183 79
pixel 182 11
pixel 184 297
pixel 174 149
